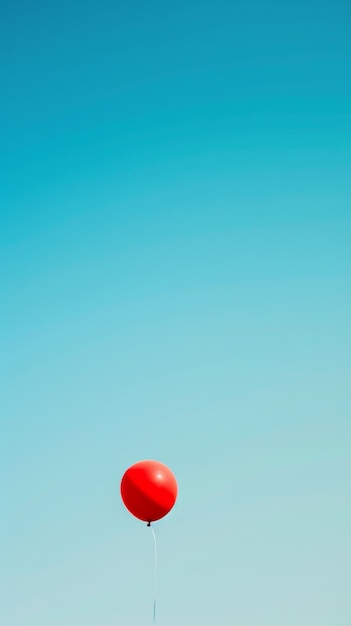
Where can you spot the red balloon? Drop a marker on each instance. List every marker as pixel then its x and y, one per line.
pixel 149 490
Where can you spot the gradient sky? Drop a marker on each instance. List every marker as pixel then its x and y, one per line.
pixel 175 252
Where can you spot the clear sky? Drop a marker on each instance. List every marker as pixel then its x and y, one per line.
pixel 175 254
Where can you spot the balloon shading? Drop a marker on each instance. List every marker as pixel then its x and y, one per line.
pixel 149 490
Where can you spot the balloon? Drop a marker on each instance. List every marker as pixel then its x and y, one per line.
pixel 149 490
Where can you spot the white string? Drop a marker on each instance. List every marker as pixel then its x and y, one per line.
pixel 155 570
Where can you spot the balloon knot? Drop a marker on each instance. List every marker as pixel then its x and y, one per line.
pixel 149 524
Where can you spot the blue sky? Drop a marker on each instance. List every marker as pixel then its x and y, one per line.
pixel 175 250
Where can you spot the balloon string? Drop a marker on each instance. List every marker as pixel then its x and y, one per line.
pixel 155 569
